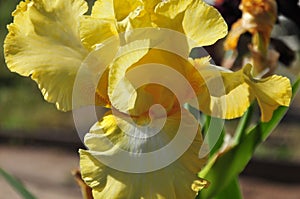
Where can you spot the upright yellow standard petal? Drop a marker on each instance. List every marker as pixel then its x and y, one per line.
pixel 125 7
pixel 44 43
pixel 114 9
pixel 120 91
pixel 203 24
pixel 171 8
pixel 104 9
pixel 94 31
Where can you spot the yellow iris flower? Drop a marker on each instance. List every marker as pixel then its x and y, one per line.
pixel 50 40
pixel 259 17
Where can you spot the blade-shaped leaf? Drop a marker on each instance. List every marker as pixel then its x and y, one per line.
pixel 17 185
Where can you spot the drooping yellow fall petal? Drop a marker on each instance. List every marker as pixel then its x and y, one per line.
pixel 43 42
pixel 270 92
pixel 227 106
pixel 174 181
pixel 221 93
pixel 228 94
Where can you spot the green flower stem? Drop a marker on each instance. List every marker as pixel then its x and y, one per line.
pixel 233 190
pixel 243 124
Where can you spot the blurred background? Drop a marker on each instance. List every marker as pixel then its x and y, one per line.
pixel 39 144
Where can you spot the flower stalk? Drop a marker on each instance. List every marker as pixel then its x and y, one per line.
pixel 86 191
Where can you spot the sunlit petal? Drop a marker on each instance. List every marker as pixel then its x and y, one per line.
pixel 112 9
pixel 120 91
pixel 94 31
pixel 221 93
pixel 203 24
pixel 103 9
pixel 270 92
pixel 44 42
pixel 174 181
pixel 171 9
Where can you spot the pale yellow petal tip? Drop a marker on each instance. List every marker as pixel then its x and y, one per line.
pixel 203 24
pixel 270 92
pixel 200 62
pixel 199 184
pixel 283 98
pixel 172 8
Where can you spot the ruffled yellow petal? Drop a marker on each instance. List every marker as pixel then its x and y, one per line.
pixel 203 24
pixel 103 9
pixel 171 9
pixel 44 42
pixel 229 94
pixel 91 85
pixel 120 91
pixel 126 15
pixel 270 92
pixel 111 9
pixel 171 89
pixel 132 25
pixel 94 31
pixel 171 182
pixel 150 5
pixel 237 102
pixel 164 21
pixel 125 7
pixel 221 93
pixel 138 19
pixel 229 106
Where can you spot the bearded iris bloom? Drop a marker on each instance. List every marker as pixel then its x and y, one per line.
pixel 259 17
pixel 50 41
